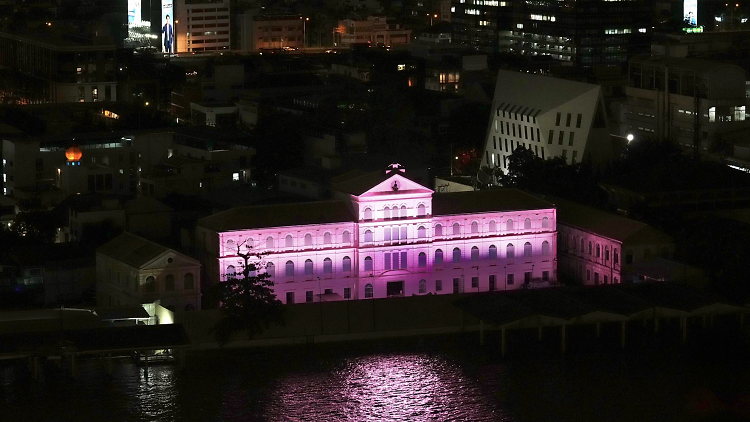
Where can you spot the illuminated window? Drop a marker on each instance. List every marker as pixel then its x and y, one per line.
pixel 230 249
pixel 368 291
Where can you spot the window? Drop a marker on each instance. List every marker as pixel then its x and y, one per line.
pixel 289 298
pixel 606 253
pixel 327 266
pixel 368 236
pixel 616 256
pixel 527 250
pixel 346 264
pixel 475 282
pixel 578 120
pixel 438 257
pixel 557 119
pixel 188 282
pixel 269 242
pixel 230 249
pixel 549 138
pixel 290 269
pixel 270 269
pixel 510 252
pixel 588 275
pixel 493 252
pixel 386 260
pixel 422 260
pixel 493 226
pixel 596 278
pixel 527 277
pixel 474 227
pixel 545 275
pixel 308 296
pixel 438 285
pixel 289 241
pixel 509 225
pixel 404 254
pixel 327 238
pixel 438 230
pixel 368 291
pixel 545 222
pixel 403 232
pixel 456 229
pixel 308 239
pixel 456 255
pixel 591 249
pixel 368 263
pixel 474 254
pixel 570 138
pixel 509 280
pixel 567 120
pixel 150 285
pixel 421 212
pixel 527 223
pixel 347 292
pixel 421 232
pixel 403 211
pixel 598 251
pixel 368 214
pixel 387 233
pixel 545 248
pixel 231 272
pixel 561 137
pixel 169 283
pixel 422 286
pixel 386 213
pixel 308 267
pixel 582 249
pixel 345 237
pixel 492 282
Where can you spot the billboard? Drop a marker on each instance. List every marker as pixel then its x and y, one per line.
pixel 690 13
pixel 139 29
pixel 167 26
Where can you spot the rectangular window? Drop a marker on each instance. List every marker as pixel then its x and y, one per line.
pixel 561 137
pixel 565 155
pixel 438 285
pixel 494 142
pixel 538 136
pixel 394 233
pixel 510 279
pixel 387 234
pixel 403 232
pixel 526 132
pixel 551 135
pixel 567 120
pixel 492 283
pixel 514 130
pixel 616 256
pixel 588 275
pixel 557 120
pixel 545 275
pixel 578 120
pixel 570 139
pixel 502 131
pixel 309 296
pixel 475 282
pixel 575 157
pixel 506 145
pixel 542 153
pixel 347 292
pixel 532 133
pixel 387 261
pixel 394 256
pixel 403 260
pixel 290 298
pixel 527 277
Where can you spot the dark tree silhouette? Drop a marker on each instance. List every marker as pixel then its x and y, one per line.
pixel 246 300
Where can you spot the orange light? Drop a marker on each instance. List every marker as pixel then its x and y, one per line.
pixel 73 154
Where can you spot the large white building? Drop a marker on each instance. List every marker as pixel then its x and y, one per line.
pixel 202 25
pixel 549 116
pixel 386 235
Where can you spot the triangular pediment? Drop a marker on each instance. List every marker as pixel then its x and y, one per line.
pixel 170 258
pixel 394 184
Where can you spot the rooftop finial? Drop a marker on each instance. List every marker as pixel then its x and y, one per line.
pixel 395 166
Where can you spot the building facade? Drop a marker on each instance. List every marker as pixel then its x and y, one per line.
pixel 386 236
pixel 202 25
pixel 549 116
pixel 374 30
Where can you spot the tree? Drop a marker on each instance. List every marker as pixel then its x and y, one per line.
pixel 246 300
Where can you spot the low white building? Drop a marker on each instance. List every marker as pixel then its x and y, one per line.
pixel 551 117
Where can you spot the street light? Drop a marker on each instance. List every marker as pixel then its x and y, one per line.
pixel 304 31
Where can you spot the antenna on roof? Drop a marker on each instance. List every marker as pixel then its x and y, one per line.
pixel 395 166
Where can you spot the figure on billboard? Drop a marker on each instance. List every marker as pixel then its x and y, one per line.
pixel 167 32
pixel 690 19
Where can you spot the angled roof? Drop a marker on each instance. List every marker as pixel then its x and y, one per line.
pixel 133 250
pixel 278 215
pixel 607 224
pixel 359 184
pixel 506 199
pixel 530 94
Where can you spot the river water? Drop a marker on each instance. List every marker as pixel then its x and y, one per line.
pixel 406 381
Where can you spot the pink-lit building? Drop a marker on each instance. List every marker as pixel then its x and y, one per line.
pixel 386 235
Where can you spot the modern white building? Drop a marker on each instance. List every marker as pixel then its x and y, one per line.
pixel 549 116
pixel 385 235
pixel 202 26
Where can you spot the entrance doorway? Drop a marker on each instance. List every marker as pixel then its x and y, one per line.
pixel 457 287
pixel 395 288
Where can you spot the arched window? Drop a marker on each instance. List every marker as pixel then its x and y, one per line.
pixel 290 269
pixel 345 238
pixel 421 232
pixel 438 257
pixel 169 283
pixel 456 255
pixel 252 272
pixel 606 253
pixel 509 225
pixel 474 227
pixel 591 249
pixel 346 264
pixel 527 223
pixel 456 228
pixel 493 226
pixel 308 267
pixel 308 239
pixel 270 269
pixel 474 253
pixel 269 242
pixel 368 291
pixel 230 249
pixel 403 211
pixel 368 235
pixel 327 238
pixel 231 272
pixel 493 252
pixel 438 230
pixel 545 222
pixel 422 286
pixel 289 241
pixel 422 259
pixel 188 282
pixel 368 214
pixel 510 251
pixel 598 251
pixel 527 250
pixel 386 213
pixel 327 266
pixel 249 243
pixel 545 248
pixel 421 212
pixel 150 285
pixel 368 263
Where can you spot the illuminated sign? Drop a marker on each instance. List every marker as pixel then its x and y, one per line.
pixel 167 26
pixel 690 13
pixel 693 30
pixel 139 29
